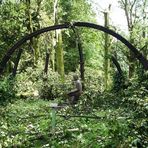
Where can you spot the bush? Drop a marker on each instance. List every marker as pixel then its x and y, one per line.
pixel 52 86
pixel 118 82
pixel 26 82
pixel 7 91
pixel 33 82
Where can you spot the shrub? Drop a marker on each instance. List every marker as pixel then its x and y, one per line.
pixel 7 91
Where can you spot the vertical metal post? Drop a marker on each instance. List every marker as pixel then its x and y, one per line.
pixel 81 56
pixel 53 119
pixel 17 61
pixel 46 63
pixel 53 116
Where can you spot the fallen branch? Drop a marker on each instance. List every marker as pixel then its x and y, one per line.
pixel 80 116
pixel 40 136
pixel 35 116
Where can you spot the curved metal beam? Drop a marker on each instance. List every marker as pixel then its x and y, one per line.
pixel 10 51
pixel 116 63
pixel 137 54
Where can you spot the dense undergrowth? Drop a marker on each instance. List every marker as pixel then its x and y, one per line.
pixel 108 119
pixel 113 108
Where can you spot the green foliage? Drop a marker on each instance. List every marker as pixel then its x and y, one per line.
pixel 119 114
pixel 33 82
pixel 118 81
pixel 93 86
pixel 26 82
pixel 12 20
pixel 7 91
pixel 89 39
pixel 50 87
pixel 122 118
pixel 19 120
pixel 69 11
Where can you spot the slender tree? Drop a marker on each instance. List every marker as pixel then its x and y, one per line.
pixel 106 52
pixel 37 26
pixel 32 25
pixel 134 12
pixel 59 56
pixel 58 48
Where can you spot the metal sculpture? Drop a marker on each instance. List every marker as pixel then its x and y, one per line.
pixel 10 51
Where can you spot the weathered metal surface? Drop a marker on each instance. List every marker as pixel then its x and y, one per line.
pixel 10 51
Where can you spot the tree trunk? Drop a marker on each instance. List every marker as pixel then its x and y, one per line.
pixel 144 19
pixel 58 47
pixel 53 59
pixel 28 12
pixel 106 53
pixel 128 7
pixel 33 41
pixel 59 56
pixel 36 39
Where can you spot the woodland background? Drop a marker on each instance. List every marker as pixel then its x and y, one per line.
pixel 119 96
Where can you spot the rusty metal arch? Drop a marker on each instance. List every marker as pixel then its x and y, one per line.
pixel 11 50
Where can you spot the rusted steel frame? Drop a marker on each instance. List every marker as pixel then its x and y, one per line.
pixel 17 61
pixel 10 51
pixel 46 63
pixel 116 63
pixel 80 49
pixel 137 54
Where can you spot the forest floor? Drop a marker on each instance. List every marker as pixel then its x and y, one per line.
pixel 27 123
